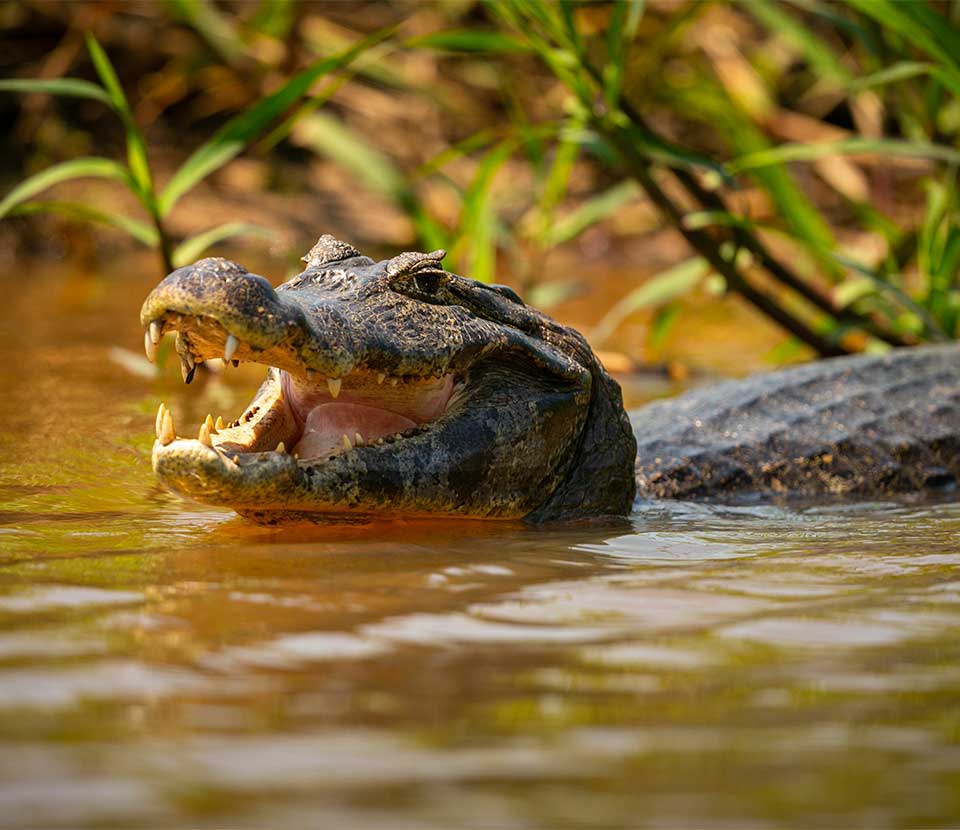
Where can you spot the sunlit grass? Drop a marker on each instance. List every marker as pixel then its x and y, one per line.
pixel 805 150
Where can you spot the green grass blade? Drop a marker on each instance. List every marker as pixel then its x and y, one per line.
pixel 657 291
pixel 136 144
pixel 93 166
pixel 188 250
pixel 68 87
pixel 624 20
pixel 662 324
pixel 805 39
pixel 108 75
pixel 478 219
pixel 142 232
pixel 469 40
pixel 887 288
pixel 329 137
pixel 785 153
pixel 274 18
pixel 900 71
pixel 556 180
pixel 919 25
pixel 593 210
pixel 239 131
pixel 663 152
pixel 212 26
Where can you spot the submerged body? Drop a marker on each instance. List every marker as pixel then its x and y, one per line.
pixel 396 387
pixel 859 426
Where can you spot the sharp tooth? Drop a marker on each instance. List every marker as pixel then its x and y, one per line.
pixel 186 370
pixel 219 424
pixel 167 430
pixel 333 384
pixel 159 423
pixel 358 440
pixel 393 381
pixel 211 426
pixel 204 436
pixel 230 347
pixel 381 377
pixel 155 331
pixel 149 347
pixel 236 459
pixel 281 447
pixel 345 443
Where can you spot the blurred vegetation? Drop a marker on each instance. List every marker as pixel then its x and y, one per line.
pixel 805 151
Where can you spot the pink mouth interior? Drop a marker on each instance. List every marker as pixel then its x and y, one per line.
pixel 363 408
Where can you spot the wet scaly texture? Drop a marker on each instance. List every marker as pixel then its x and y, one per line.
pixel 535 430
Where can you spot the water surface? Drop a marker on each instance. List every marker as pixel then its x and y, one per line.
pixel 165 664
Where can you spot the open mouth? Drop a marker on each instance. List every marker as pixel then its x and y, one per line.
pixel 392 388
pixel 298 411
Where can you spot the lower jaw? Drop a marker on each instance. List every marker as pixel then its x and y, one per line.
pixel 315 423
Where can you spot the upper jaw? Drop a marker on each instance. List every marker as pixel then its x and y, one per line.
pixel 218 309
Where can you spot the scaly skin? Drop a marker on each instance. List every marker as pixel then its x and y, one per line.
pixel 850 426
pixel 537 428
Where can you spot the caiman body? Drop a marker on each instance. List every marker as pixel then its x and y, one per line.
pixel 397 388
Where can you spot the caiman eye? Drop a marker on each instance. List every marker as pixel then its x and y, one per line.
pixel 429 282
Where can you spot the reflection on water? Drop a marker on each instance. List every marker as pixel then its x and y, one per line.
pixel 165 664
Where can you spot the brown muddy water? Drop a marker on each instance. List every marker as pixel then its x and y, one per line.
pixel 164 664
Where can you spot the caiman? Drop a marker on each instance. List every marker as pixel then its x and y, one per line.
pixel 399 388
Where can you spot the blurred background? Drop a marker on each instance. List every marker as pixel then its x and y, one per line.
pixel 692 183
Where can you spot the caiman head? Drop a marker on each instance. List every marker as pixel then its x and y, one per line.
pixel 394 388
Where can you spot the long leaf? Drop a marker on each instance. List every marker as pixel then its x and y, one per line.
pixel 212 26
pixel 803 38
pixel 108 75
pixel 70 87
pixel 593 210
pixel 847 146
pixel 329 137
pixel 369 166
pixel 228 141
pixel 469 40
pixel 556 181
pixel 900 71
pixel 191 248
pixel 136 144
pixel 919 24
pixel 657 291
pixel 142 232
pixel 885 286
pixel 624 19
pixel 478 220
pixel 92 166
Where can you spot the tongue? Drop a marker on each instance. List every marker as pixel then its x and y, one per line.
pixel 327 423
